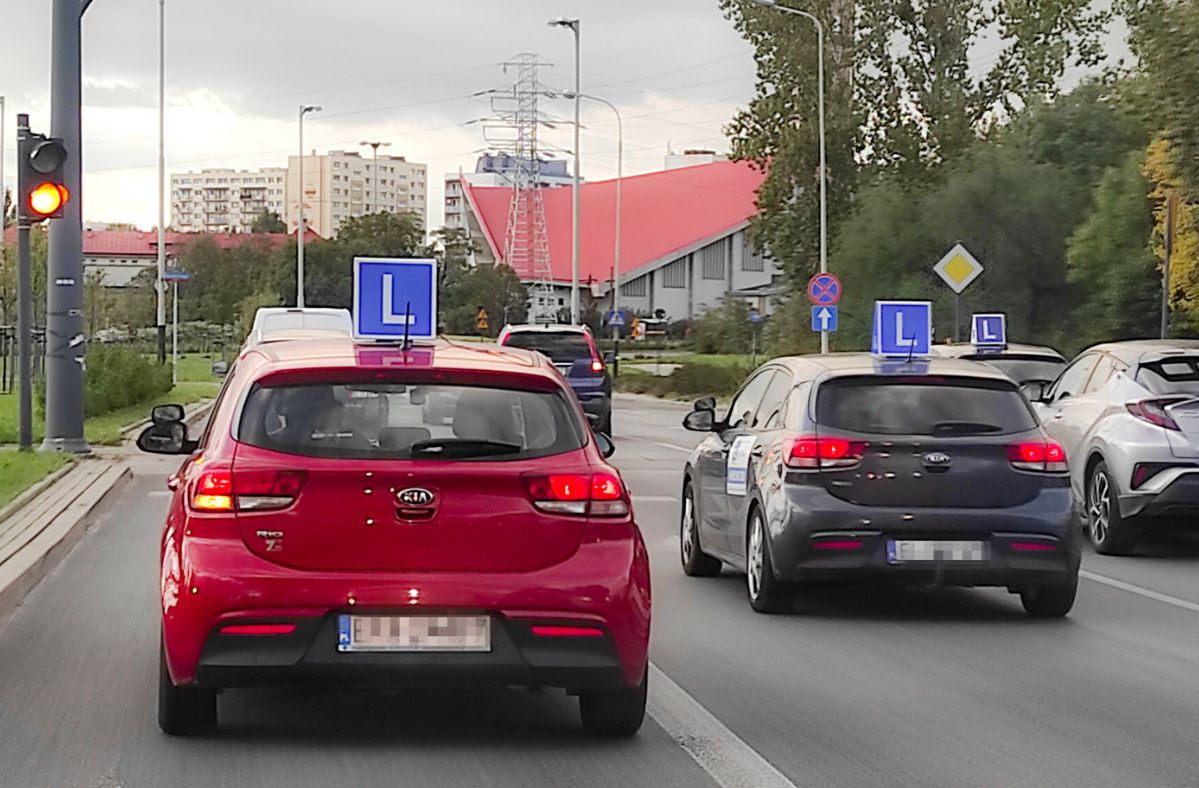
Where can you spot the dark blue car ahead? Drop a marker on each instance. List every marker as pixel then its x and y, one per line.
pixel 572 350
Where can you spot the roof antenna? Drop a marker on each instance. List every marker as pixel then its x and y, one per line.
pixel 407 323
pixel 911 348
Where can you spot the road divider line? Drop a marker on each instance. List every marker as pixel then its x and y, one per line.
pixel 655 499
pixel 721 753
pixel 1140 591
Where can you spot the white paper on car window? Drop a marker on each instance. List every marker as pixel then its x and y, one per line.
pixel 737 474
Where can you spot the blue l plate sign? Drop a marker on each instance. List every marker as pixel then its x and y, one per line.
pixel 902 328
pixel 989 331
pixel 392 296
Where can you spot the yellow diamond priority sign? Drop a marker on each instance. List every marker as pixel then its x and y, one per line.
pixel 958 268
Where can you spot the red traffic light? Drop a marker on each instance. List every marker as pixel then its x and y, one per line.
pixel 47 198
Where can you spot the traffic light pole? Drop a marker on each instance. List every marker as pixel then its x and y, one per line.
pixel 65 341
pixel 24 302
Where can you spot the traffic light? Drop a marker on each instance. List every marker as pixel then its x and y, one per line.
pixel 42 193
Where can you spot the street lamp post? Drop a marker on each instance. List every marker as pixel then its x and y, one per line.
pixel 823 147
pixel 304 110
pixel 161 285
pixel 375 147
pixel 619 188
pixel 573 24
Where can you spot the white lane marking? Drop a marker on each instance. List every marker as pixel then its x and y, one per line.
pixel 721 753
pixel 671 446
pixel 1139 591
pixel 655 499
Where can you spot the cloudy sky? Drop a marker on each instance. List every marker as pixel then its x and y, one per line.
pixel 394 70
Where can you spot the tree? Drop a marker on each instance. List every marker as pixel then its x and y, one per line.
pixel 1162 170
pixel 268 222
pixel 383 235
pixel 495 288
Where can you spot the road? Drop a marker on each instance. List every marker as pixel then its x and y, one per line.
pixel 857 687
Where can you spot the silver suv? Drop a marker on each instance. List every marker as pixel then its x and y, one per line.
pixel 1127 414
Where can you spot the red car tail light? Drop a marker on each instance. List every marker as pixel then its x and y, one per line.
pixel 257 491
pixel 258 629
pixel 1041 456
pixel 1033 547
pixel 597 366
pixel 556 631
pixel 1154 412
pixel 213 491
pixel 812 452
pixel 837 544
pixel 600 494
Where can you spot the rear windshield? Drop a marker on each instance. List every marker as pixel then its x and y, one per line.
pixel 942 407
pixel 562 347
pixel 1174 376
pixel 404 421
pixel 1026 368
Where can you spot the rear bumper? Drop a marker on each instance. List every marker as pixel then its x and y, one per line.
pixel 211 583
pixel 813 516
pixel 595 403
pixel 1169 497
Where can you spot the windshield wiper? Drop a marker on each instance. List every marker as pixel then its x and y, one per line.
pixel 964 428
pixel 461 447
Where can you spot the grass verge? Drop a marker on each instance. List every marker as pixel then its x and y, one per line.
pixel 19 470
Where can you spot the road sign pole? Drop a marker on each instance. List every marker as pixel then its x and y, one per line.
pixel 65 341
pixel 957 317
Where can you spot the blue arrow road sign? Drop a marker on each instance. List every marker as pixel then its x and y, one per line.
pixel 615 318
pixel 755 316
pixel 394 298
pixel 989 331
pixel 902 328
pixel 824 318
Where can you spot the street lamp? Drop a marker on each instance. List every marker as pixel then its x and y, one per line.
pixel 823 161
pixel 573 24
pixel 304 110
pixel 161 285
pixel 570 94
pixel 375 146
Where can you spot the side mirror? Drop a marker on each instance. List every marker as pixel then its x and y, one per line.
pixel 605 445
pixel 705 403
pixel 417 395
pixel 167 414
pixel 609 358
pixel 166 438
pixel 700 421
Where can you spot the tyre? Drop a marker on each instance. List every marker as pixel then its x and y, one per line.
pixel 606 426
pixel 1049 601
pixel 614 712
pixel 183 711
pixel 696 563
pixel 1110 533
pixel 767 594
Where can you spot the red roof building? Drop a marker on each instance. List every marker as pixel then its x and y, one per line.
pixel 683 237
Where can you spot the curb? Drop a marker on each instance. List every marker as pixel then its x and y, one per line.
pixel 33 491
pixel 36 559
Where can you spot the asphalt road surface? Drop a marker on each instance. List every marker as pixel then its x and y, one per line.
pixel 857 687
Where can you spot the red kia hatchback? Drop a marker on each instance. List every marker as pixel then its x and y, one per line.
pixel 325 530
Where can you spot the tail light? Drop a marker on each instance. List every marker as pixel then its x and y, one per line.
pixel 221 490
pixel 1154 412
pixel 812 452
pixel 1041 456
pixel 1144 471
pixel 599 495
pixel 258 629
pixel 556 631
pixel 597 366
pixel 836 545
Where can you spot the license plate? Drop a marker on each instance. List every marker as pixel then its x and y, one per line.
pixel 413 633
pixel 901 551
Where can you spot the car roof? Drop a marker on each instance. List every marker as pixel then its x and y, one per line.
pixel 443 355
pixel 555 327
pixel 838 365
pixel 1145 350
pixel 960 349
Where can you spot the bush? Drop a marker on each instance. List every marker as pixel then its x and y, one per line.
pixel 691 380
pixel 119 376
pixel 725 329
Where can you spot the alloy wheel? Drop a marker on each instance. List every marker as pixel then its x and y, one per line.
pixel 753 572
pixel 1099 506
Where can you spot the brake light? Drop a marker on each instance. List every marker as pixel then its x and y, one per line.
pixel 1041 456
pixel 812 452
pixel 600 494
pixel 1154 412
pixel 597 366
pixel 214 491
pixel 258 629
pixel 837 544
pixel 567 632
pixel 1033 547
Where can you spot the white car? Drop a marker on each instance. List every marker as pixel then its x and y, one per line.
pixel 1127 414
pixel 272 324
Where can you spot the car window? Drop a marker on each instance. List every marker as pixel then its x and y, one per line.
pixel 1072 381
pixel 230 374
pixel 562 347
pixel 795 409
pixel 769 411
pixel 940 406
pixel 1102 374
pixel 1026 368
pixel 1179 375
pixel 405 421
pixel 745 404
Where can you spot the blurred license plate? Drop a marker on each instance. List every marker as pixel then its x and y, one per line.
pixel 413 633
pixel 900 551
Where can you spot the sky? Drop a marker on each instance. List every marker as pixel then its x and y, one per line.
pixel 399 71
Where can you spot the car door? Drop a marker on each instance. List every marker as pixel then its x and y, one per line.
pixel 1072 406
pixel 714 457
pixel 756 438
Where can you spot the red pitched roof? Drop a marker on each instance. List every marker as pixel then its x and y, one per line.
pixel 664 213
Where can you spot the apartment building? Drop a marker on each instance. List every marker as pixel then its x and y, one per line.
pixel 225 200
pixel 340 185
pixel 494 170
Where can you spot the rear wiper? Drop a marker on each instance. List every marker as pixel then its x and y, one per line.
pixel 461 447
pixel 964 428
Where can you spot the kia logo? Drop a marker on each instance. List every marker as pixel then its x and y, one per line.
pixel 936 458
pixel 415 496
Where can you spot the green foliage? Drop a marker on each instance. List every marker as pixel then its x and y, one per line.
pixel 268 222
pixel 692 380
pixel 724 329
pixel 118 376
pixel 497 289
